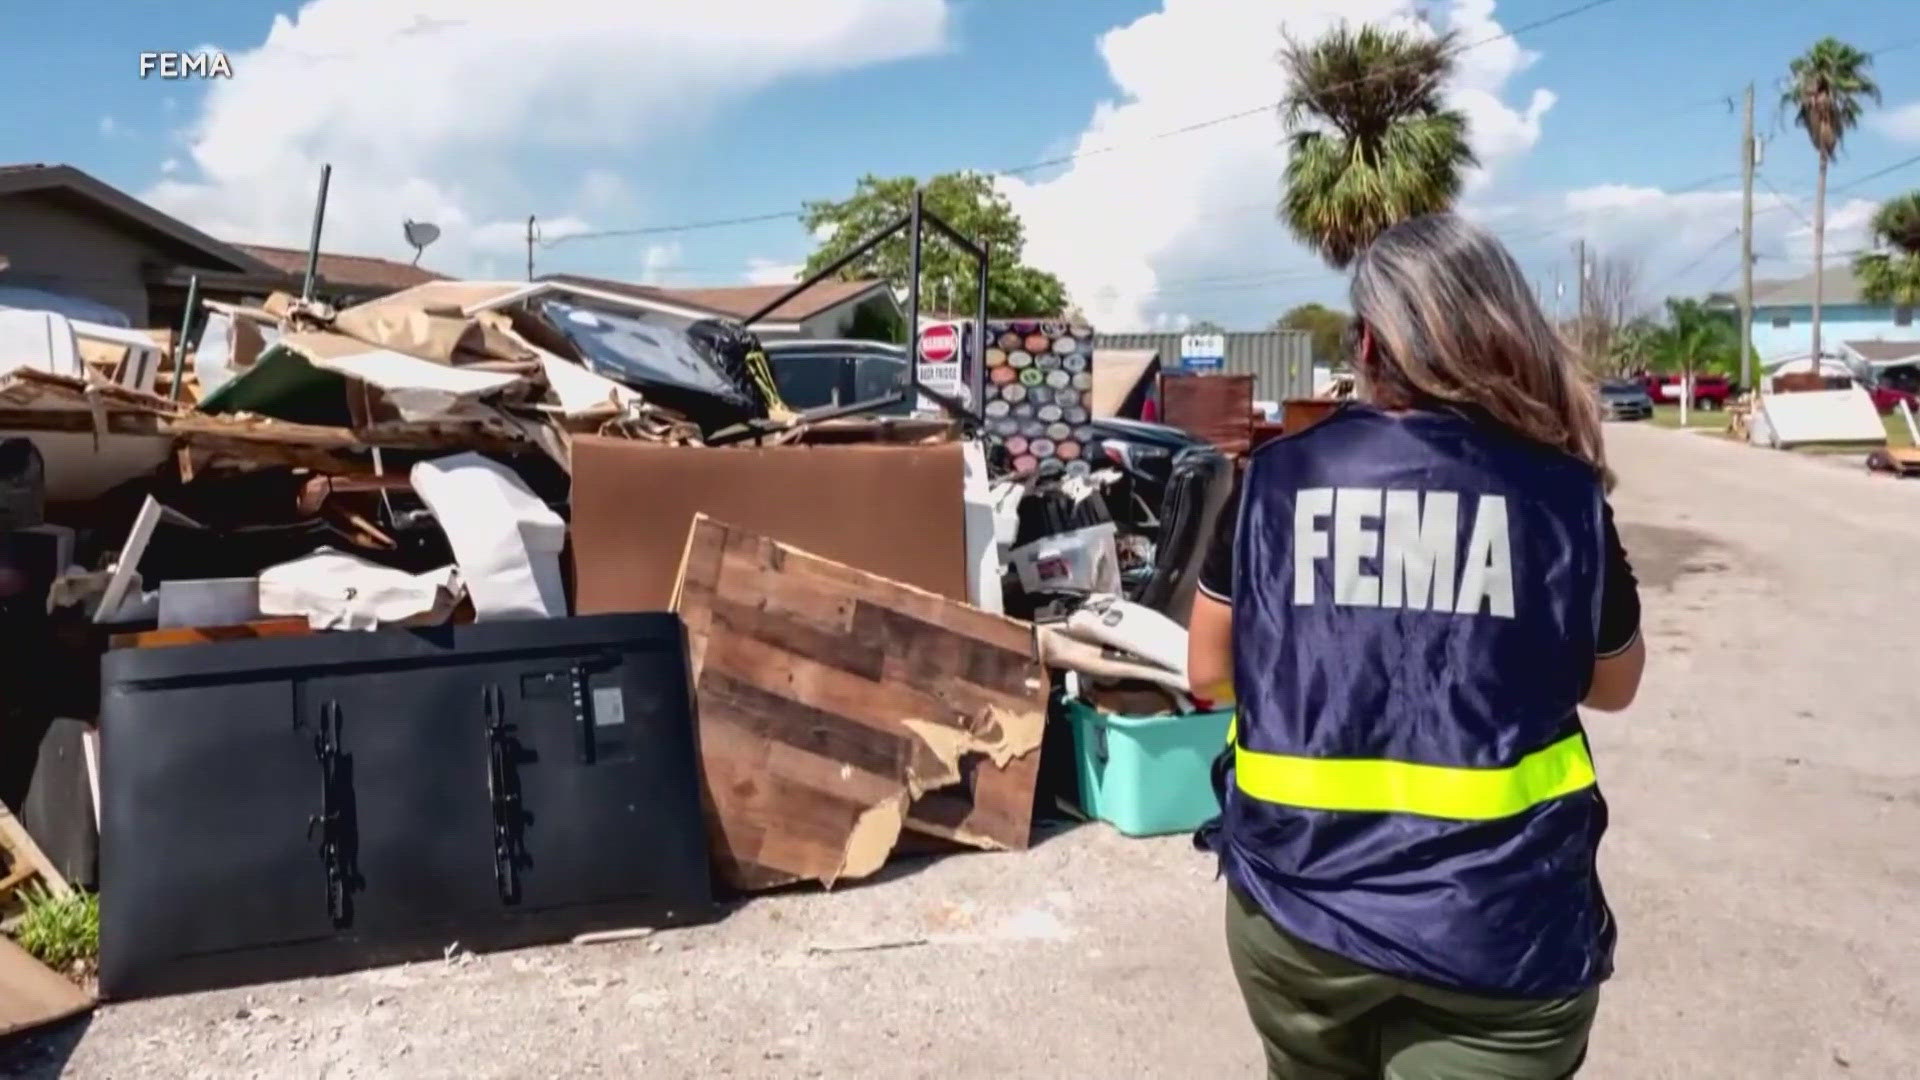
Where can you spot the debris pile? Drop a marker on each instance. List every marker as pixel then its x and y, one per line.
pixel 459 592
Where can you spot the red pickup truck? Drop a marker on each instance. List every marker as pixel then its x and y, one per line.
pixel 1709 391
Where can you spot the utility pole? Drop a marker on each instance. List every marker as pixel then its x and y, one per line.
pixel 1746 251
pixel 532 234
pixel 1580 282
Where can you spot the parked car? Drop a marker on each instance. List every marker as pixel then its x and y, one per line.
pixel 1624 399
pixel 817 374
pixel 1709 391
pixel 1887 397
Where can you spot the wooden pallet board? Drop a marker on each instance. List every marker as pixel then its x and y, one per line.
pixel 22 862
pixel 837 707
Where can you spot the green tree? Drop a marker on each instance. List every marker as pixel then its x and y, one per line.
pixel 1372 141
pixel 1695 340
pixel 1892 275
pixel 965 200
pixel 1325 327
pixel 1828 90
pixel 1633 347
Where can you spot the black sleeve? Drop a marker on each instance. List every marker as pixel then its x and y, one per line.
pixel 1619 597
pixel 1216 570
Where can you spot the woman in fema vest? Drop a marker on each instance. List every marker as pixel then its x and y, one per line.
pixel 1417 593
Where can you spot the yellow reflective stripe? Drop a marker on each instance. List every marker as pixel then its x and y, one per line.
pixel 1233 726
pixel 1399 787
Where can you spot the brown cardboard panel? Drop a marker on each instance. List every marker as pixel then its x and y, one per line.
pixel 894 511
pixel 32 994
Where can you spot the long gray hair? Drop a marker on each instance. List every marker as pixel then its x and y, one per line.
pixel 1446 317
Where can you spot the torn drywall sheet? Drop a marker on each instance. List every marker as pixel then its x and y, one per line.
pixel 440 333
pixel 506 541
pixel 826 693
pixel 580 391
pixel 334 590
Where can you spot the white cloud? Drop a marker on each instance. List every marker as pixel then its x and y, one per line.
pixel 109 127
pixel 169 166
pixel 1902 123
pixel 658 260
pixel 1168 227
pixel 1684 243
pixel 762 271
pixel 440 110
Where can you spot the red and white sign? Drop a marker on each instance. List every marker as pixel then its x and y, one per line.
pixel 939 343
pixel 939 362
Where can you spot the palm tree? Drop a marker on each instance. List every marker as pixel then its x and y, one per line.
pixel 1372 142
pixel 1696 337
pixel 1892 276
pixel 1827 94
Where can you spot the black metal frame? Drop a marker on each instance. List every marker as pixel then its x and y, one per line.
pixel 914 223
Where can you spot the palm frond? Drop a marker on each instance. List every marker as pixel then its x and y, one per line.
pixel 1372 141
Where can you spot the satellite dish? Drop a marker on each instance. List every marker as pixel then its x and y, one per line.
pixel 420 234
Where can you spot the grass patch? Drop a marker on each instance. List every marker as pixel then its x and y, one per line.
pixel 1716 421
pixel 1704 419
pixel 60 932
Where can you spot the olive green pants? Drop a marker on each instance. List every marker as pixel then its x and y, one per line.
pixel 1323 1018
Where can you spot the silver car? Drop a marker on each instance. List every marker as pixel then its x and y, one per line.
pixel 1624 399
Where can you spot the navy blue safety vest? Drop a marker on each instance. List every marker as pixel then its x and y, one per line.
pixel 1415 605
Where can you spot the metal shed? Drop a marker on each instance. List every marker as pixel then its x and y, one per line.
pixel 1280 361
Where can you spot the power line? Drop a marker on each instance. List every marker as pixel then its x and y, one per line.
pixel 1895 167
pixel 1768 184
pixel 1064 159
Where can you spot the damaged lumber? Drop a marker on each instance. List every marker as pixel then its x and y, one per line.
pixel 32 994
pixel 837 708
pixel 24 862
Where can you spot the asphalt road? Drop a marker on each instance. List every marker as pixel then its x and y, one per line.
pixel 1764 863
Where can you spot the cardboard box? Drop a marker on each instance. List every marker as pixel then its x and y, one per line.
pixel 895 511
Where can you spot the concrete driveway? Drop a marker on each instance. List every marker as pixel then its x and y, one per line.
pixel 1764 861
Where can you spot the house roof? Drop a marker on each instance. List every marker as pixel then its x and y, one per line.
pixel 345 271
pixel 1838 286
pixel 1883 351
pixel 738 302
pixel 64 182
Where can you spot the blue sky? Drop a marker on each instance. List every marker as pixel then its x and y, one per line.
pixel 1610 124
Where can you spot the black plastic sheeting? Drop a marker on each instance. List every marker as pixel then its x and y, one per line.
pixel 700 372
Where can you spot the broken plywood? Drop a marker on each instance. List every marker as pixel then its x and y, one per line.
pixel 832 700
pixel 32 993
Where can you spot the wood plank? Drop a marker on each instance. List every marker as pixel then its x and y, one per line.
pixel 22 851
pixel 32 994
pixel 828 697
pixel 200 635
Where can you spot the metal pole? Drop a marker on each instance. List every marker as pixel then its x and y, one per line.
pixel 1580 308
pixel 313 245
pixel 1746 251
pixel 977 378
pixel 530 236
pixel 186 327
pixel 913 297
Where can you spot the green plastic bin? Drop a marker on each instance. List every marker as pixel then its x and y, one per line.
pixel 1147 775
